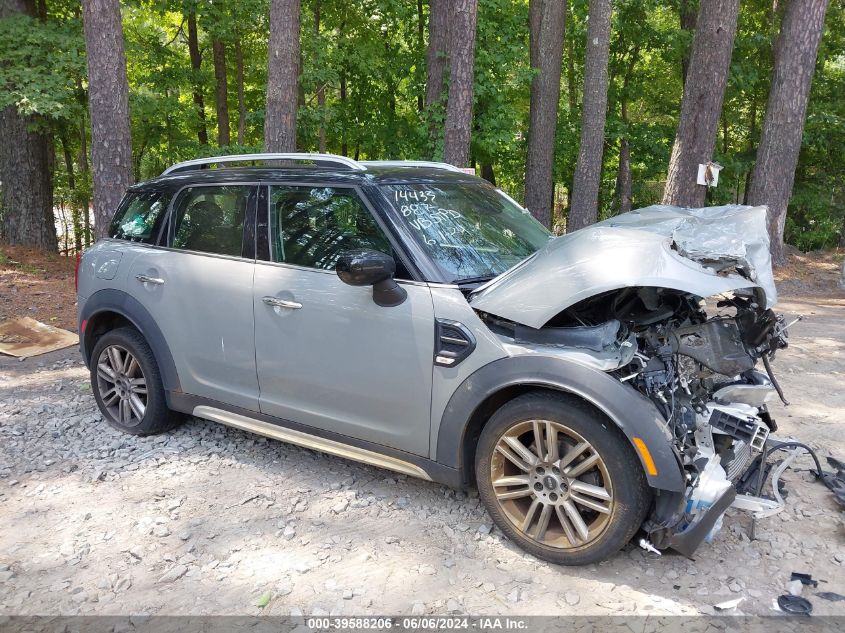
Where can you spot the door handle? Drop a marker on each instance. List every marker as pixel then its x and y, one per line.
pixel 282 303
pixel 145 279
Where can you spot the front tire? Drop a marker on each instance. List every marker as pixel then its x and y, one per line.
pixel 559 479
pixel 127 384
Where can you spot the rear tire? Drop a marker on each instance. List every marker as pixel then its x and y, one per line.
pixel 559 479
pixel 127 384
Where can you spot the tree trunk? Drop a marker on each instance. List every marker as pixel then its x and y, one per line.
pixel 282 77
pixel 583 209
pixel 82 161
pixel 239 75
pixel 108 97
pixel 321 88
pixel 65 228
pixel 547 20
pixel 420 48
pixel 437 64
pixel 488 174
pixel 76 216
pixel 221 93
pixel 623 178
pixel 623 197
pixel 752 129
pixel 701 106
pixel 780 141
pixel 458 126
pixel 196 63
pixel 26 186
pixel 688 17
pixel 300 88
pixel 27 192
pixel 571 88
pixel 344 144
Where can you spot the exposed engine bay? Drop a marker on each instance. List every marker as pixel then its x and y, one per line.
pixel 696 360
pixel 677 304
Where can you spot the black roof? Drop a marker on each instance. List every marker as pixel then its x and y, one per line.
pixel 374 174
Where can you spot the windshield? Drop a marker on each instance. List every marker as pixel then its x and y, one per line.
pixel 472 231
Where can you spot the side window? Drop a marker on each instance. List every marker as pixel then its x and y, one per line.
pixel 312 226
pixel 139 216
pixel 211 219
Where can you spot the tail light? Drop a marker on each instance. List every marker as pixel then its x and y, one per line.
pixel 76 272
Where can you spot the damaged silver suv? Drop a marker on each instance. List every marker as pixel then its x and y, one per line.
pixel 596 388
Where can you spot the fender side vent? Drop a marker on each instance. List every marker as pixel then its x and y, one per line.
pixel 453 342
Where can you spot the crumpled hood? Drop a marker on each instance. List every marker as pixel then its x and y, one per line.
pixel 660 246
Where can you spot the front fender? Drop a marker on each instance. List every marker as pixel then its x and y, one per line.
pixel 632 412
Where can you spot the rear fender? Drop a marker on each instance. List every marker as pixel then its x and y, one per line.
pixel 118 302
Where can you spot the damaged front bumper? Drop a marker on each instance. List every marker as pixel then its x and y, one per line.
pixel 687 540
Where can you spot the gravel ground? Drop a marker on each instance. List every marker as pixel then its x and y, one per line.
pixel 211 520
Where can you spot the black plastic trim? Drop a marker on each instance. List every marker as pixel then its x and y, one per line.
pixel 467 343
pixel 688 541
pixel 262 226
pixel 248 240
pixel 633 413
pixel 439 473
pixel 119 302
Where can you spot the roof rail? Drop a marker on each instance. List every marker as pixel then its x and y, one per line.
pixel 409 163
pixel 330 159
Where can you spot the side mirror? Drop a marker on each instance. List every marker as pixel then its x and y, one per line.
pixel 371 268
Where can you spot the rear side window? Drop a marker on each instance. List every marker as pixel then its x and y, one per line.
pixel 139 217
pixel 211 219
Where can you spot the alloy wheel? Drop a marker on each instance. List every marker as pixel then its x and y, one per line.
pixel 552 484
pixel 122 385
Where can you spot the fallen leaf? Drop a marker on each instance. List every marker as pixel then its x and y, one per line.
pixel 264 600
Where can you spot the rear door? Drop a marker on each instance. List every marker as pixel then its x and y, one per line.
pixel 333 359
pixel 198 288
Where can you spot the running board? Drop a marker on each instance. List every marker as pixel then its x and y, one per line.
pixel 309 441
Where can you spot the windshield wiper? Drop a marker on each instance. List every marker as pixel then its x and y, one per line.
pixel 466 281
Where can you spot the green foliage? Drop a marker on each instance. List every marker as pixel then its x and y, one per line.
pixel 40 62
pixel 368 59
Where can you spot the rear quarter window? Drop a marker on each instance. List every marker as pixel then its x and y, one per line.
pixel 139 217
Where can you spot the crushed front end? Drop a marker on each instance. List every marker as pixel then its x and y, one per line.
pixel 677 305
pixel 696 360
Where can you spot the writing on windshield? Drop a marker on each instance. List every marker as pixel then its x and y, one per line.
pixel 471 230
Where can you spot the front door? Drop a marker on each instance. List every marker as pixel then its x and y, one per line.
pixel 327 355
pixel 198 289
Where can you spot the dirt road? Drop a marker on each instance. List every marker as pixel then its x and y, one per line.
pixel 207 519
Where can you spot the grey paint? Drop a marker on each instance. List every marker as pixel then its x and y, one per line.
pixel 633 413
pixel 216 339
pixel 112 255
pixel 450 303
pixel 204 309
pixel 107 263
pixel 341 362
pixel 727 234
pixel 599 258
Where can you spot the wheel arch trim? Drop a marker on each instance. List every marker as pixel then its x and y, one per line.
pixel 125 305
pixel 631 412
